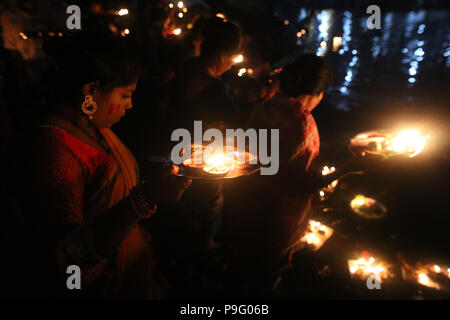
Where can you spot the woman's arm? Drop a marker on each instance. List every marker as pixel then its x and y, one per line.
pixel 62 224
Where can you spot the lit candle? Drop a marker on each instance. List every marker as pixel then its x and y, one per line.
pixel 219 163
pixel 364 268
pixel 241 72
pixel 316 235
pixel 425 280
pixel 408 142
pixel 336 43
pixel 238 59
pixel 122 12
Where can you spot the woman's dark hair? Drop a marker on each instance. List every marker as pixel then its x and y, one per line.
pixel 308 74
pixel 220 36
pixel 84 58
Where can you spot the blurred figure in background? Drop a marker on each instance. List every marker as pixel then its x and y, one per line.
pixel 266 215
pixel 199 93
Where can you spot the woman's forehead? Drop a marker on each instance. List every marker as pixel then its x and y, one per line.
pixel 130 87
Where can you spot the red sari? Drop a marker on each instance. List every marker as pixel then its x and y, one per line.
pixel 76 184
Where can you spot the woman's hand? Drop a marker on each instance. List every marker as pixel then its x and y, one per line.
pixel 368 161
pixel 161 183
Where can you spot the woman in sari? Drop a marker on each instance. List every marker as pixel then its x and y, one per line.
pixel 88 196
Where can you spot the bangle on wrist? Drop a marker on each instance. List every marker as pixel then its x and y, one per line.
pixel 144 209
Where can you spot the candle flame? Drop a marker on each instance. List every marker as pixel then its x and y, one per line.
pixel 363 268
pixel 238 59
pixel 241 72
pixel 122 12
pixel 358 201
pixel 326 170
pixel 219 164
pixel 423 279
pixel 316 234
pixel 336 43
pixel 409 142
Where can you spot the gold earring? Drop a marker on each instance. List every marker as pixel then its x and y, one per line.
pixel 89 107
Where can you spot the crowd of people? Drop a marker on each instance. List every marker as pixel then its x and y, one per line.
pixel 82 188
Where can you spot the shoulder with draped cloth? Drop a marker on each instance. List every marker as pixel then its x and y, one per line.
pixel 73 185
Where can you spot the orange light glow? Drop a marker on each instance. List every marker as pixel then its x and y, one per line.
pixel 408 142
pixel 122 12
pixel 242 71
pixel 219 164
pixel 238 59
pixel 316 235
pixel 364 268
pixel 336 43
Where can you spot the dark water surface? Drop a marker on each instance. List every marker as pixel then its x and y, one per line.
pixel 396 77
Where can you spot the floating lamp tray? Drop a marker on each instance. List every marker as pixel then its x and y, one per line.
pixel 217 165
pixel 388 143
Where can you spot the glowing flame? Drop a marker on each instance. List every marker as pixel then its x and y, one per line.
pixel 358 201
pixel 330 188
pixel 220 15
pixel 408 142
pixel 323 44
pixel 423 279
pixel 177 31
pixel 180 15
pixel 180 4
pixel 286 22
pixel 122 12
pixel 326 170
pixel 170 5
pixel 336 43
pixel 364 268
pixel 316 235
pixel 241 72
pixel 125 32
pixel 219 164
pixel 238 59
